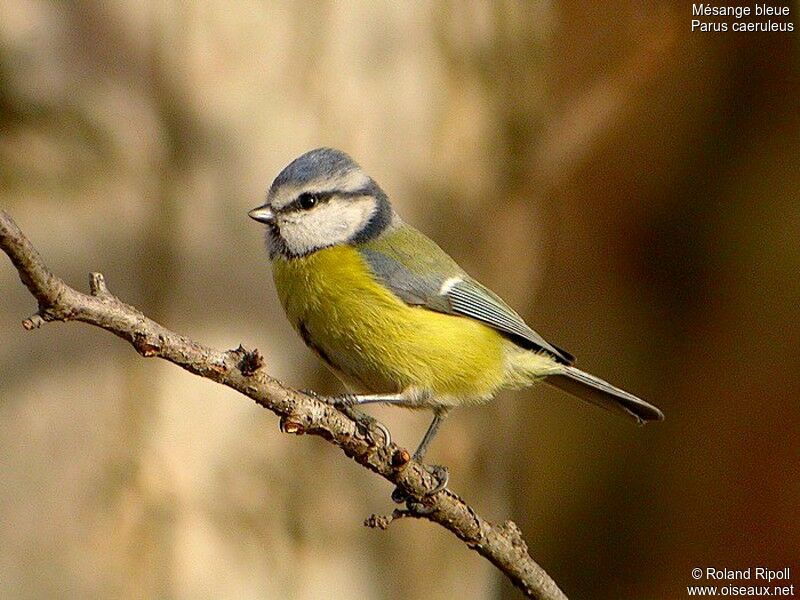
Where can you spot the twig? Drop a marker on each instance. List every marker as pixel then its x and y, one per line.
pixel 300 413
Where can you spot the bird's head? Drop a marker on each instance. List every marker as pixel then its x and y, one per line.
pixel 322 199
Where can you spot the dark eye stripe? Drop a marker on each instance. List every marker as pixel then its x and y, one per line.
pixel 296 205
pixel 301 203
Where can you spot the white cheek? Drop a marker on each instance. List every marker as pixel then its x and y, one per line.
pixel 332 223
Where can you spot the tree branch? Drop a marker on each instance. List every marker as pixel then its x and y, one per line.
pixel 300 413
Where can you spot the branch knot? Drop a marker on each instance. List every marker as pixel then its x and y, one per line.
pixel 249 362
pixel 97 285
pixel 147 345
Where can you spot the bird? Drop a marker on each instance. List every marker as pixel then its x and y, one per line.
pixel 391 313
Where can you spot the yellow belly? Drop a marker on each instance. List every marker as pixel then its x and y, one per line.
pixel 378 342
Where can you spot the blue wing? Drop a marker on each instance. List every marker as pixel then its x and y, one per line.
pixel 469 298
pixel 420 273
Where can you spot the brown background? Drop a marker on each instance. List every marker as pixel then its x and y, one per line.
pixel 630 186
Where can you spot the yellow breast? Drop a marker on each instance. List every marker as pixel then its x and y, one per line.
pixel 373 338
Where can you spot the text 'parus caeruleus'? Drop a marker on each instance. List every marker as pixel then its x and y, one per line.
pixel 390 312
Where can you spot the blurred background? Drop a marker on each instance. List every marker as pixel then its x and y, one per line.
pixel 629 186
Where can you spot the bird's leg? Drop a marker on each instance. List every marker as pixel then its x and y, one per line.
pixel 439 472
pixel 410 400
pixel 438 416
pixel 353 399
pixel 347 402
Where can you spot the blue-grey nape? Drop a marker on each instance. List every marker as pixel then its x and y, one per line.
pixel 315 164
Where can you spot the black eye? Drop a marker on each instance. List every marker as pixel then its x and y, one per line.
pixel 307 201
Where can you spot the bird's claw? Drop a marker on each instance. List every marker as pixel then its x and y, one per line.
pixel 347 403
pixel 387 437
pixel 442 476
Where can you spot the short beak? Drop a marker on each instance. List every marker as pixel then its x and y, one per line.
pixel 262 214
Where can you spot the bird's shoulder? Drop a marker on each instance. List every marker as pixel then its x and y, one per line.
pixel 412 250
pixel 410 265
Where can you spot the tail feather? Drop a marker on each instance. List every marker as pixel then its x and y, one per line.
pixel 593 389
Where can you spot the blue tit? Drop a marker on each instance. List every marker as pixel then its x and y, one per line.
pixel 394 316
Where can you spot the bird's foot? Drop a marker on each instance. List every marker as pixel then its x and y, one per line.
pixel 442 476
pixel 347 404
pixel 368 424
pixel 440 473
